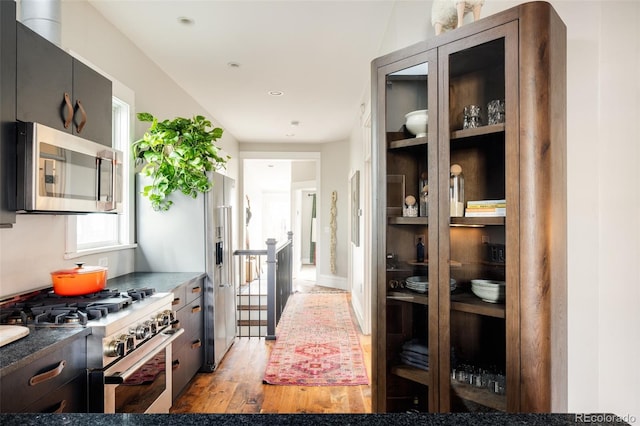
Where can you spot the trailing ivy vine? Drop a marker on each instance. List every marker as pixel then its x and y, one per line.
pixel 177 154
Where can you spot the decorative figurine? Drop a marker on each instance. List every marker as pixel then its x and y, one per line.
pixel 334 226
pixel 449 14
pixel 410 207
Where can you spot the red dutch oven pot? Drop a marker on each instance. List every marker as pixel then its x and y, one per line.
pixel 80 280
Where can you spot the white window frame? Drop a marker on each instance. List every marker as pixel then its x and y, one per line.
pixel 122 135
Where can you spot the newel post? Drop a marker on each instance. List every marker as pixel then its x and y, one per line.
pixel 271 289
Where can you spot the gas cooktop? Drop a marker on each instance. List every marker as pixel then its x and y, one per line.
pixel 49 309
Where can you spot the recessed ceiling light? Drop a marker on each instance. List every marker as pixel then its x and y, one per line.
pixel 233 65
pixel 295 122
pixel 276 93
pixel 186 20
pixel 290 135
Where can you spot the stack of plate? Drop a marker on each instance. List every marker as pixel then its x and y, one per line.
pixel 489 290
pixel 420 284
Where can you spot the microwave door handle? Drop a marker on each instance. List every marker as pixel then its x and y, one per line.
pixel 110 203
pixel 114 181
pixel 98 181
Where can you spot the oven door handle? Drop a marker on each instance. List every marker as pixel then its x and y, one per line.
pixel 166 338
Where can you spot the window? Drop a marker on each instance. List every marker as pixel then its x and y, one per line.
pixel 102 232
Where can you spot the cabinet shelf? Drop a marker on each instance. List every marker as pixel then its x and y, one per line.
pixel 477 221
pixel 402 220
pixel 480 395
pixel 408 296
pixel 456 221
pixel 405 143
pixel 477 131
pixel 467 302
pixel 411 373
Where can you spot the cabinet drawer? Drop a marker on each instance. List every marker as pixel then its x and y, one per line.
pixel 69 398
pixel 194 290
pixel 186 363
pixel 43 376
pixel 191 319
pixel 179 298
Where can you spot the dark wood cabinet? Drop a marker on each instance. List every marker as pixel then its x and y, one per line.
pixel 188 349
pixel 54 382
pixel 59 91
pixel 473 355
pixel 7 113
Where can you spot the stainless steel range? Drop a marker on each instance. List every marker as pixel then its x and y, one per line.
pixel 129 345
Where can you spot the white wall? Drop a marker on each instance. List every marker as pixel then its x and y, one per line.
pixel 35 245
pixel 603 106
pixel 335 165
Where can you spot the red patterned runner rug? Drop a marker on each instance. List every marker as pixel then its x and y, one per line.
pixel 316 344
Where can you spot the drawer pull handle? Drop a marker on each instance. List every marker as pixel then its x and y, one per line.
pixel 61 407
pixel 196 289
pixel 67 102
pixel 83 115
pixel 47 375
pixel 196 309
pixel 176 301
pixel 175 324
pixel 196 344
pixel 175 364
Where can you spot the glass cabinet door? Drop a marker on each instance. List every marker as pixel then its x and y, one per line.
pixel 478 181
pixel 407 135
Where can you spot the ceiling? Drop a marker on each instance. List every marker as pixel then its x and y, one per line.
pixel 230 55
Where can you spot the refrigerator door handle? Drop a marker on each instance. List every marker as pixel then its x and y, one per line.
pixel 219 259
pixel 227 270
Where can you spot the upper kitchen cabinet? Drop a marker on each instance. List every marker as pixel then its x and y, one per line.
pixel 57 90
pixel 474 320
pixel 7 113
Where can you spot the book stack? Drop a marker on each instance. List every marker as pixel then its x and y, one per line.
pixel 486 208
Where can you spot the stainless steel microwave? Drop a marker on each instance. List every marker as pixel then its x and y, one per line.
pixel 62 173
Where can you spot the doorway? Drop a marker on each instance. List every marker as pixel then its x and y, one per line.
pixel 280 194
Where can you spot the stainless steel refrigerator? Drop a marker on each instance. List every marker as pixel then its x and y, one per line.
pixel 195 235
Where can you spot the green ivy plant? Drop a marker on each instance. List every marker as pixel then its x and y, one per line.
pixel 177 154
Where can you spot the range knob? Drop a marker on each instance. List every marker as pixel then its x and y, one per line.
pixel 142 331
pixel 170 314
pixel 164 318
pixel 115 348
pixel 129 342
pixel 153 328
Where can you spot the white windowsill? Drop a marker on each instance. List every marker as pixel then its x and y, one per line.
pixel 97 250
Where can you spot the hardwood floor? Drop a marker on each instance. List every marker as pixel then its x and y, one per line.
pixel 236 387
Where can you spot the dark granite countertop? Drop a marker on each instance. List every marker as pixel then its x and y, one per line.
pixel 38 343
pixel 312 419
pixel 42 341
pixel 162 281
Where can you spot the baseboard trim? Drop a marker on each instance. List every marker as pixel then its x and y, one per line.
pixel 333 282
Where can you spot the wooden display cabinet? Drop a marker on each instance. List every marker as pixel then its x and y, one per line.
pixel 505 356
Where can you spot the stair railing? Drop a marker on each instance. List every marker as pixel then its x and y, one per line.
pixel 279 286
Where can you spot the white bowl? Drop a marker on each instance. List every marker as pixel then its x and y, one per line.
pixel 416 122
pixel 488 283
pixel 489 291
